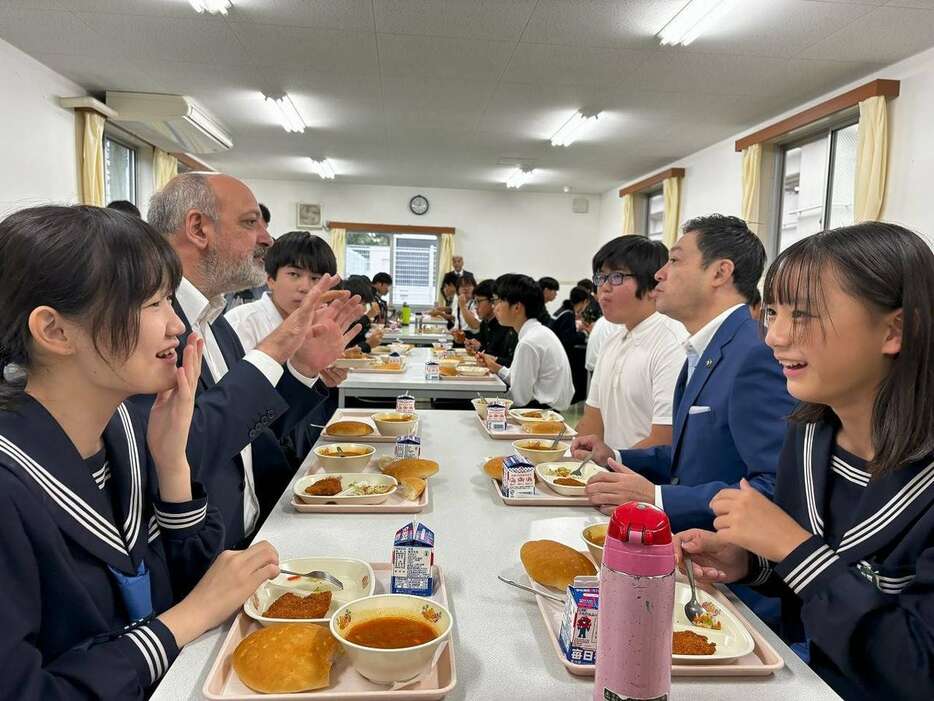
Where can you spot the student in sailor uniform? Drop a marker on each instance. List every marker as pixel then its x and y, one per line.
pixel 849 540
pixel 104 535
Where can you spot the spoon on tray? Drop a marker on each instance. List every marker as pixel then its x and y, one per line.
pixel 316 574
pixel 512 583
pixel 692 609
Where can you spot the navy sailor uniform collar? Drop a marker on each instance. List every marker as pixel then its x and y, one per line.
pixel 35 448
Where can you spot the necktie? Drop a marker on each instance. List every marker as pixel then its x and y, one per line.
pixel 692 358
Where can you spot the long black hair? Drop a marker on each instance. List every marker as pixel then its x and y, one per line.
pixel 91 264
pixel 887 267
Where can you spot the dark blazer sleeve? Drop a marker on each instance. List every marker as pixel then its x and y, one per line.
pixel 301 399
pixel 652 463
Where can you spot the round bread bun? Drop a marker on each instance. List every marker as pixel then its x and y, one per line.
pixel 553 564
pixel 331 295
pixel 412 487
pixel 411 467
pixel 494 468
pixel 349 428
pixel 285 658
pixel 545 428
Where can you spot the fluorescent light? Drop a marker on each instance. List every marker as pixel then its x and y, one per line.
pixel 213 7
pixel 573 128
pixel 323 168
pixel 288 114
pixel 518 178
pixel 692 20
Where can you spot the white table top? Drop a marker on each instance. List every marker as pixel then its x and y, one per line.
pixel 406 334
pixel 501 646
pixel 413 378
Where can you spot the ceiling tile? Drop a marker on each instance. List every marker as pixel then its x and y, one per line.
pixel 478 19
pixel 51 32
pixel 97 76
pixel 547 64
pixel 436 57
pixel 885 35
pixel 435 103
pixel 352 15
pixel 155 8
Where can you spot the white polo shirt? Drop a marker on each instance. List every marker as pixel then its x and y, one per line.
pixel 601 331
pixel 254 321
pixel 634 381
pixel 540 369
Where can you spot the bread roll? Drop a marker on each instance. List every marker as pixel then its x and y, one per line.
pixel 553 564
pixel 494 468
pixel 550 428
pixel 286 658
pixel 412 487
pixel 349 428
pixel 411 467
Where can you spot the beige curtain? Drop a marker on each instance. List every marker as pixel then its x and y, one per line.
pixel 339 246
pixel 92 157
pixel 671 193
pixel 164 168
pixel 752 174
pixel 871 159
pixel 445 256
pixel 629 214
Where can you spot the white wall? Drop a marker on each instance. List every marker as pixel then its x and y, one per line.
pixel 38 135
pixel 713 182
pixel 497 232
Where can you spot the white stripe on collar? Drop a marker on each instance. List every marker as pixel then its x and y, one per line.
pixel 817 523
pixel 101 476
pixel 131 525
pixel 76 507
pixel 891 510
pixel 848 472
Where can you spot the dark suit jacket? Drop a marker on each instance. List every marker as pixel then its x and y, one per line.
pixel 729 423
pixel 242 409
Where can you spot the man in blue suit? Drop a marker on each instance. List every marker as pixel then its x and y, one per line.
pixel 730 401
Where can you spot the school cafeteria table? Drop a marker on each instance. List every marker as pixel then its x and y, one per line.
pixel 412 380
pixel 406 334
pixel 502 652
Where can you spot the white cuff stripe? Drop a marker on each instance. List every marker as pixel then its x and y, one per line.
pixel 159 648
pixel 805 563
pixel 827 558
pixel 153 652
pixel 145 653
pixel 184 521
pixel 174 516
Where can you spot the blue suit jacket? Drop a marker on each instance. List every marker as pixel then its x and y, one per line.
pixel 242 409
pixel 736 430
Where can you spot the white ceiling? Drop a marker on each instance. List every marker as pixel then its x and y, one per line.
pixel 436 92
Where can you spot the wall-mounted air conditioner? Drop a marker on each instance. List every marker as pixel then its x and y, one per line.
pixel 171 122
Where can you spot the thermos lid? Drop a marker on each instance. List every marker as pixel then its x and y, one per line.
pixel 637 522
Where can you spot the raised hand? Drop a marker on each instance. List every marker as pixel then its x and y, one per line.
pixel 169 422
pixel 328 336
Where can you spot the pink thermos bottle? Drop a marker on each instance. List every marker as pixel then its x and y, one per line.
pixel 637 598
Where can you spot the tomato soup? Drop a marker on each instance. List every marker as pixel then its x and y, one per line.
pixel 391 632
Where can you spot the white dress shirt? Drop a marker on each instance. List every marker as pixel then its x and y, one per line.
pixel 540 369
pixel 634 382
pixel 254 321
pixel 599 333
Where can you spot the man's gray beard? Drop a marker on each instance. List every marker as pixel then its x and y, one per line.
pixel 230 275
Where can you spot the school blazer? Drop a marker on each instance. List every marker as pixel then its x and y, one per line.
pixel 729 423
pixel 240 410
pixel 865 602
pixel 64 630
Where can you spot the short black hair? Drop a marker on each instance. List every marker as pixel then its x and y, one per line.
pixel 264 212
pixel 450 278
pixel 722 237
pixel 302 250
pixel 125 206
pixel 485 288
pixel 466 279
pixel 587 284
pixel 549 283
pixel 360 285
pixel 382 277
pixel 578 295
pixel 756 298
pixel 521 289
pixel 633 254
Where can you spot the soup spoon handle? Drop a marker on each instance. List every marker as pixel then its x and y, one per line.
pixel 316 574
pixel 512 583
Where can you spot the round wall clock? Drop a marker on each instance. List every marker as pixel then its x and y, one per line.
pixel 418 205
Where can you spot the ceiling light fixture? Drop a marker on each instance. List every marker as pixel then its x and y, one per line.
pixel 212 7
pixel 323 168
pixel 573 128
pixel 518 178
pixel 692 20
pixel 288 114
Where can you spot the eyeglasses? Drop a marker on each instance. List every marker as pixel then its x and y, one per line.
pixel 497 300
pixel 481 300
pixel 615 278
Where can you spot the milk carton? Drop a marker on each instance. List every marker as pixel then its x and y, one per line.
pixel 578 635
pixel 412 558
pixel 405 404
pixel 394 361
pixel 408 447
pixel 432 370
pixel 495 416
pixel 518 477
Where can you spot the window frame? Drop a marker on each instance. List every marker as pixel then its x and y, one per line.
pixel 133 149
pixel 826 133
pixel 392 264
pixel 649 194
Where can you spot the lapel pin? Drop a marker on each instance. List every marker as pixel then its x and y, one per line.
pixel 709 363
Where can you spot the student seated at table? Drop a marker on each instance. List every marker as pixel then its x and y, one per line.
pixel 565 321
pixel 382 283
pixel 294 264
pixel 107 547
pixel 492 338
pixel 540 374
pixel 465 313
pixel 445 307
pixel 629 403
pixel 849 541
pixel 367 337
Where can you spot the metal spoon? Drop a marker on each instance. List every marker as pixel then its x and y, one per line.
pixel 511 583
pixel 316 574
pixel 580 468
pixel 554 443
pixel 692 609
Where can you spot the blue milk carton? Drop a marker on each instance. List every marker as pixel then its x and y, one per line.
pixel 413 554
pixel 518 477
pixel 578 636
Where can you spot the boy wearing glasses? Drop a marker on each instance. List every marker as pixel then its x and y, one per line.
pixel 630 398
pixel 492 338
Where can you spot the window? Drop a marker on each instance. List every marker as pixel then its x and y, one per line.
pixel 655 215
pixel 818 178
pixel 411 259
pixel 119 171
